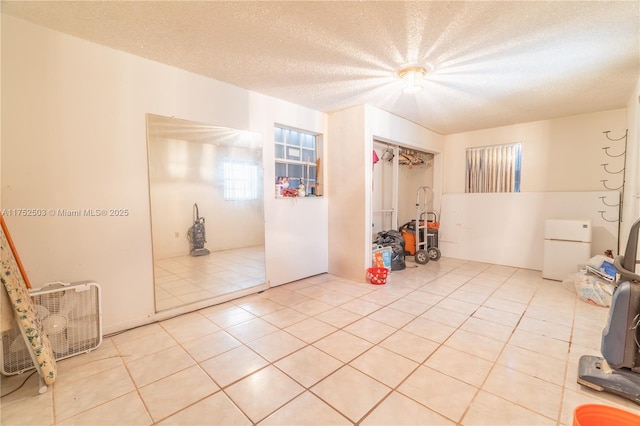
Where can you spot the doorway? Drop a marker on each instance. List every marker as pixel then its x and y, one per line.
pixel 397 174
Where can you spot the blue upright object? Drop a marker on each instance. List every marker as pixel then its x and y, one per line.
pixel 618 370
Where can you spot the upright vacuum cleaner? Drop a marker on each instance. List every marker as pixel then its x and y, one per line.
pixel 196 234
pixel 618 370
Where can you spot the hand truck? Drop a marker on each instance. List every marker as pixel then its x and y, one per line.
pixel 426 248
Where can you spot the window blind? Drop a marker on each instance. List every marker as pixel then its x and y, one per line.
pixel 493 168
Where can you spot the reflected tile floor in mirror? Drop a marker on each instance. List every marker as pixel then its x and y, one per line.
pixel 186 279
pixel 450 342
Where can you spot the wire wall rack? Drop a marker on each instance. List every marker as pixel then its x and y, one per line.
pixel 616 154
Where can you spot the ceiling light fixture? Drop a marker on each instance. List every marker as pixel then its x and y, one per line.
pixel 412 78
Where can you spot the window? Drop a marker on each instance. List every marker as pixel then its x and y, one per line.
pixel 493 168
pixel 240 180
pixel 296 159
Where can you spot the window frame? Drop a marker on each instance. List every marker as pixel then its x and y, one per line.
pixel 296 153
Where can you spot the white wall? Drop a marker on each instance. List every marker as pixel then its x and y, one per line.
pixel 631 202
pixel 296 228
pixel 73 137
pixel 348 168
pixel 563 155
pixel 508 228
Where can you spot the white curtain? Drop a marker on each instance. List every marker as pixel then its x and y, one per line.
pixel 493 168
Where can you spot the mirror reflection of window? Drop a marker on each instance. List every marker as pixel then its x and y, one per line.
pixel 240 181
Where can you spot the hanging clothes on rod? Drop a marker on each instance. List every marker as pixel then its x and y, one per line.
pixel 411 157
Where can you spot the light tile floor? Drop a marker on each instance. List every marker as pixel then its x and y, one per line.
pixel 187 279
pixel 450 342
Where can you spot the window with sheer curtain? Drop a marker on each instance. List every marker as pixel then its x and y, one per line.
pixel 493 168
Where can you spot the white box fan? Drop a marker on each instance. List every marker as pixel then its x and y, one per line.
pixel 72 318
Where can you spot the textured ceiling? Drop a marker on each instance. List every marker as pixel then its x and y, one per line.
pixel 492 63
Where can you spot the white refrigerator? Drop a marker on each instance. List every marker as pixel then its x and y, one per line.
pixel 567 244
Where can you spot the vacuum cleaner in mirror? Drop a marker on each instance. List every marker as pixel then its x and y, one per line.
pixel 197 235
pixel 618 370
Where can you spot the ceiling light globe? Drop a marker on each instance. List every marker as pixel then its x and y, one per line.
pixel 411 77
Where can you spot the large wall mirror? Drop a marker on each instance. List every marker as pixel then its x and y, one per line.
pixel 207 211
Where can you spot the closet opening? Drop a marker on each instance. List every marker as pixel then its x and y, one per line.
pixel 398 173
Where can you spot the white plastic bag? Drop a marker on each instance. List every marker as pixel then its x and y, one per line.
pixel 592 289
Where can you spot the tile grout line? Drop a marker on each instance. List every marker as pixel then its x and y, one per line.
pixel 309 388
pixel 495 362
